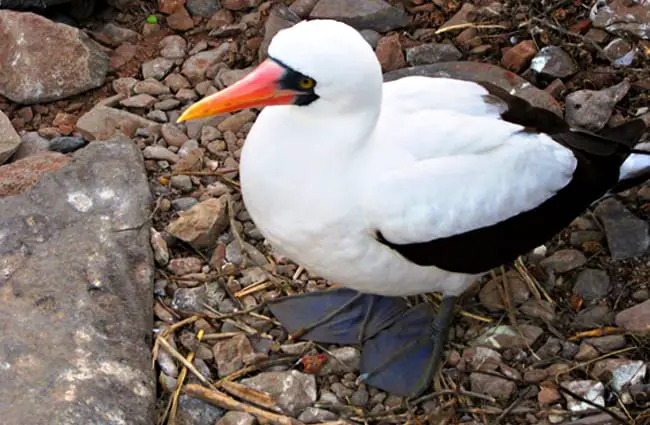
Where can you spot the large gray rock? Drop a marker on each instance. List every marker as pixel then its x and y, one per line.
pixel 42 61
pixel 76 294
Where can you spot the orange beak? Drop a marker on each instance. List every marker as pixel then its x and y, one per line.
pixel 259 88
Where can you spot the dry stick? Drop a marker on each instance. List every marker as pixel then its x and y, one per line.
pixel 181 381
pixel 259 398
pixel 561 389
pixel 175 354
pixel 224 401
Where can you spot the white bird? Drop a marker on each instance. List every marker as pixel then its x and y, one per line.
pixel 401 188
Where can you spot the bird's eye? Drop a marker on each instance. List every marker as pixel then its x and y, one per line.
pixel 306 83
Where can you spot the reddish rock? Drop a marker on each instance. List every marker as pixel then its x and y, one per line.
pixel 517 58
pixel 466 14
pixel 170 6
pixel 48 61
pixel 122 55
pixel 103 122
pixel 389 52
pixel 180 20
pixel 548 395
pixel 22 174
pixel 65 123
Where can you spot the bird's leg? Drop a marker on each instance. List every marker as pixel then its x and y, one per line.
pixel 403 358
pixel 336 316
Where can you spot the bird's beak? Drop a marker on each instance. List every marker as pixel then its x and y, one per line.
pixel 259 88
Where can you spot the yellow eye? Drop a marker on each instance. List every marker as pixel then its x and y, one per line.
pixel 306 83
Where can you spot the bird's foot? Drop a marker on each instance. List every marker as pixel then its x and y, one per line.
pixel 403 358
pixel 337 316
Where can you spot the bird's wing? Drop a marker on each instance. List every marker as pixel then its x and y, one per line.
pixel 436 211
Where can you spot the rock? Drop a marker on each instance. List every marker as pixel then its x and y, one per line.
pixel 184 203
pixel 196 65
pixel 22 174
pixel 504 336
pixel 160 153
pixel 342 360
pixel 239 4
pixel 144 101
pixel 493 386
pixel 636 318
pixel 621 374
pixel 157 68
pixel 589 390
pixel 377 15
pixel 150 87
pixel 620 51
pixel 303 8
pixel 627 235
pixel 425 54
pixel 103 122
pixel 202 224
pixel 548 396
pixel 173 47
pixel 564 260
pixel 590 109
pixel 540 309
pixel 592 284
pixel 490 294
pixel 389 53
pixel 474 71
pixel 586 352
pixel 193 299
pixel 235 122
pixel 202 8
pixel 169 6
pixel 280 17
pixel 313 415
pixel 593 317
pixel 66 144
pixel 124 85
pixel 83 260
pixel 117 35
pixel 482 358
pixel 236 418
pixel 185 265
pixel 622 16
pixel 192 411
pixel 608 343
pixel 181 182
pixel 464 15
pixel 31 144
pixel 229 354
pixel 372 37
pixel 293 391
pixel 48 61
pixel 554 62
pixel 9 139
pixel 517 58
pixel 159 246
pixel 228 77
pixel 173 135
pixel 180 20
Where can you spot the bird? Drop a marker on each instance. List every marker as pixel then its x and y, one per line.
pixel 402 188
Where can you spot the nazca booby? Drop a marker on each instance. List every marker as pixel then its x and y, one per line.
pixel 400 188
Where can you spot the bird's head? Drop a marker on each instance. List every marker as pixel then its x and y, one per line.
pixel 319 62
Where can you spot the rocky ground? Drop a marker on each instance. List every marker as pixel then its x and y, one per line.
pixel 557 338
